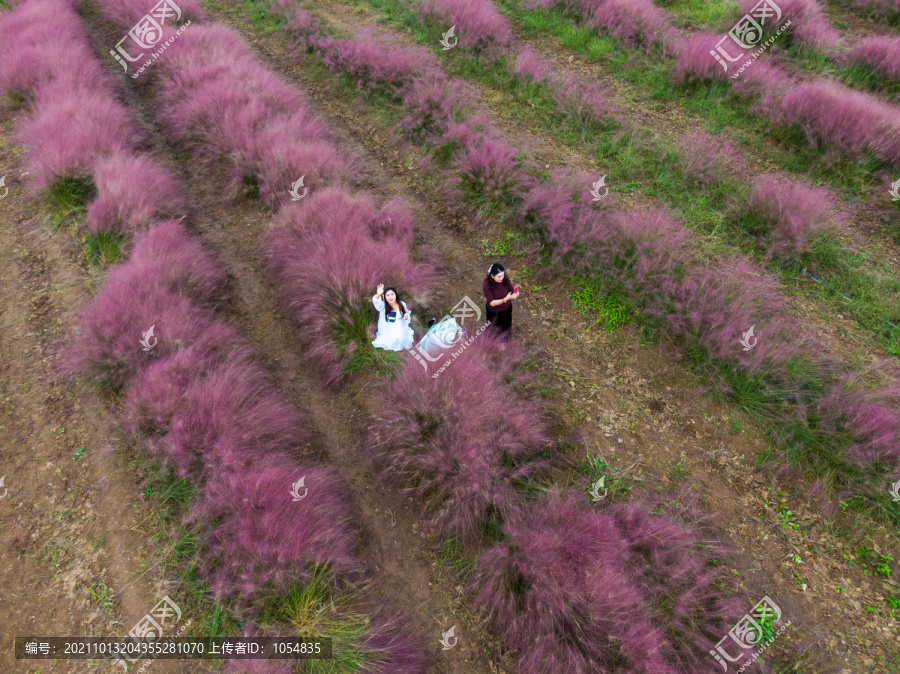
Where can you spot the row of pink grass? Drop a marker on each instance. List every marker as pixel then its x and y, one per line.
pixel 200 402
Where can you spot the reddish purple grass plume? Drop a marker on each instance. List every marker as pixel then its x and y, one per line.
pixel 217 96
pixel 372 65
pixel 459 441
pixel 485 167
pixel 788 212
pixel 530 67
pixel 714 305
pixel 129 12
pixel 882 53
pixel 40 41
pixel 132 193
pixel 706 159
pixel 329 254
pixel 809 25
pixel 577 591
pixel 430 105
pixel 261 538
pixel 95 126
pixel 387 642
pixel 880 9
pixel 478 23
pixel 855 122
pixel 630 21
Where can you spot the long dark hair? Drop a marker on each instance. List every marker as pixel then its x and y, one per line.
pixel 387 306
pixel 495 269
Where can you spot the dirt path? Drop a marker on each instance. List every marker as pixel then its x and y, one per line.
pixel 629 402
pixel 67 525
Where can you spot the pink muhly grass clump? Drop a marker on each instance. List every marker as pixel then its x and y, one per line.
pixel 696 62
pixel 174 261
pixel 112 324
pixel 713 306
pixel 574 590
pixel 126 13
pixel 133 192
pixel 478 23
pixel 260 539
pixel 882 53
pixel 430 105
pixel 880 9
pixel 487 167
pixel 809 24
pixel 630 21
pixel 387 638
pixel 227 418
pixel 43 41
pixel 329 254
pixel 705 158
pixel 304 27
pixel 70 130
pixel 530 67
pixel 853 121
pixel 373 65
pixel 871 422
pixel 461 440
pixel 218 97
pixel 788 212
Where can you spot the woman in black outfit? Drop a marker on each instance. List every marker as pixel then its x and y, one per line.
pixel 499 294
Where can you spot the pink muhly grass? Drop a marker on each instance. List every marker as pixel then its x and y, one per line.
pixel 228 418
pixel 303 26
pixel 155 395
pixel 133 192
pixel 705 158
pixel 871 421
pixel 574 590
pixel 126 13
pixel 809 24
pixel 431 104
pixel 71 129
pixel 176 262
pixel 478 23
pixel 487 168
pixel 853 121
pixel 696 62
pixel 244 666
pixel 787 212
pixel 713 306
pixel 373 65
pixel 386 640
pixel 260 539
pixel 41 42
pixel 880 9
pixel 881 53
pixel 629 21
pixel 460 441
pixel 530 67
pixel 329 254
pixel 111 325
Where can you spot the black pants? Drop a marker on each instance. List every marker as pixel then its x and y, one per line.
pixel 501 322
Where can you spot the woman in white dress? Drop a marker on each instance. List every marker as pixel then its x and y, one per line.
pixel 394 331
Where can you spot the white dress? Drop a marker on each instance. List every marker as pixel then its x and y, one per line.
pixel 396 335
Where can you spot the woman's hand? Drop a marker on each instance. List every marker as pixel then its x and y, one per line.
pixel 380 289
pixel 514 296
pixel 406 316
pixel 508 297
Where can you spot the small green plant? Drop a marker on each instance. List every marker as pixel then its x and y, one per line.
pixel 104 248
pixel 68 196
pixel 106 598
pixel 451 556
pixel 736 428
pixel 78 453
pixel 678 472
pixel 883 568
pixel 593 299
pixel 616 482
